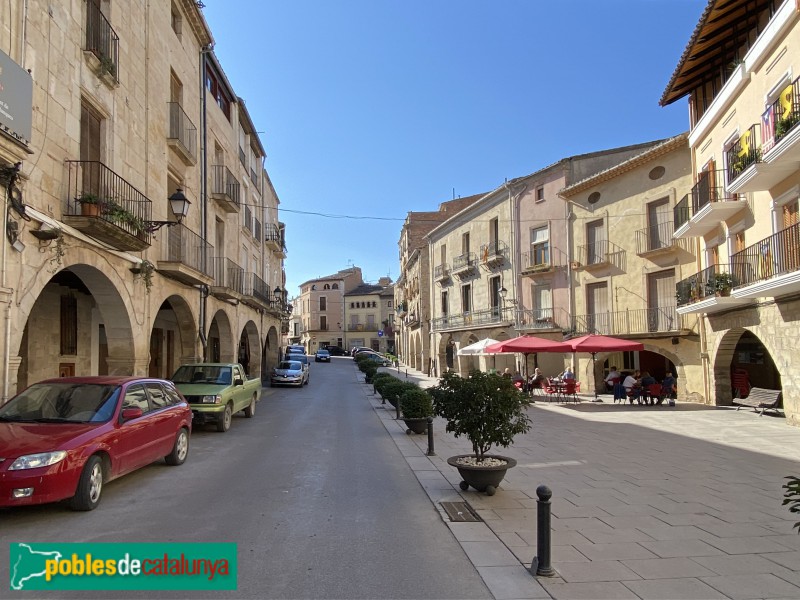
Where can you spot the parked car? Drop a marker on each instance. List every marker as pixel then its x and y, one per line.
pixel 289 372
pixel 295 350
pixel 377 358
pixel 65 438
pixel 358 349
pixel 322 355
pixel 217 391
pixel 336 350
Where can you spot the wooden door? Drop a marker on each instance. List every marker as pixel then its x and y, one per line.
pixel 596 243
pixel 156 352
pixel 659 223
pixel 791 236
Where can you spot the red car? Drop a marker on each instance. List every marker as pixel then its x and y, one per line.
pixel 64 438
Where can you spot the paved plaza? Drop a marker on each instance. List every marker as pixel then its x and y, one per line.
pixel 650 502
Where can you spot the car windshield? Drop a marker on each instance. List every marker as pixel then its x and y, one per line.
pixel 290 365
pixel 322 351
pixel 214 374
pixel 62 402
pixel 301 358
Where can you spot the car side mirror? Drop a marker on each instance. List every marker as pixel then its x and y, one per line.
pixel 128 414
pixel 238 381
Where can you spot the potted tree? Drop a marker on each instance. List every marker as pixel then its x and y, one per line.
pixel 416 405
pixel 489 411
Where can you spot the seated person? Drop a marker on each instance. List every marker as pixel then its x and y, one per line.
pixel 567 374
pixel 646 381
pixel 536 380
pixel 669 389
pixel 518 380
pixel 507 372
pixel 631 385
pixel 613 374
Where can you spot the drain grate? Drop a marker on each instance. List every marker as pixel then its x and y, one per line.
pixel 460 512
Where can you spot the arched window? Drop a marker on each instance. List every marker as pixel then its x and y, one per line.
pixel 336 286
pixel 313 287
pixel 326 287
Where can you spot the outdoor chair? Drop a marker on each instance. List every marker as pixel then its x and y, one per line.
pixel 550 389
pixel 569 389
pixel 654 392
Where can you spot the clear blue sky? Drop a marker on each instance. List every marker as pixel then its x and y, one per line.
pixel 373 108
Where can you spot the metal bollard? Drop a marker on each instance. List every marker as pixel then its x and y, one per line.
pixel 541 562
pixel 430 438
pixel 397 410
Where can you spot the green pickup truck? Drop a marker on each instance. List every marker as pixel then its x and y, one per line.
pixel 215 391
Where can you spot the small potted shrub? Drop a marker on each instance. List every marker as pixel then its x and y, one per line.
pixel 394 389
pixel 370 370
pixel 416 406
pixel 721 284
pixel 91 204
pixel 792 497
pixel 489 411
pixel 378 381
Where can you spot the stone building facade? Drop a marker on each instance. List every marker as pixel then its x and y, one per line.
pixel 129 108
pixel 743 211
pixel 322 310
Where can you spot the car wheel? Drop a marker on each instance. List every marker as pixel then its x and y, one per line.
pixel 90 485
pixel 180 450
pixel 250 411
pixel 224 420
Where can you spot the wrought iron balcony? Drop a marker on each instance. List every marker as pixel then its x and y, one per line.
pixel 542 260
pixel 256 292
pixel 494 253
pixel 658 240
pixel 541 318
pixel 662 319
pixel 600 254
pixel 770 267
pixel 273 236
pixel 707 291
pixel 474 318
pixel 464 264
pixel 441 272
pixel 102 45
pixel 225 189
pixel 362 327
pixel 186 256
pixel 708 204
pixel 182 136
pixel 104 206
pixel 228 279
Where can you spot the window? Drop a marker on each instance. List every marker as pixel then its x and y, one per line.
pixel 371 321
pixel 542 302
pixel 242 144
pixel 157 396
pixel 323 303
pixel 176 20
pixel 540 246
pixel 539 194
pixel 597 246
pixel 465 243
pixel 495 300
pixel 494 233
pixel 172 395
pixel 136 397
pixel 323 322
pixel 69 325
pixel 389 304
pixel 335 286
pixel 466 298
pixel 445 304
pixel 216 90
pixel 443 254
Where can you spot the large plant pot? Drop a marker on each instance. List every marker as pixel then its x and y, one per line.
pixel 417 425
pixel 483 479
pixel 90 210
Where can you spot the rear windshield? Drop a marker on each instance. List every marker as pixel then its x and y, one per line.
pixel 214 374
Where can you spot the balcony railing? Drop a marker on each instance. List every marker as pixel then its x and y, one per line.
pixel 441 272
pixel 542 259
pixel 493 253
pixel 362 327
pixel 658 239
pixel 186 247
pixel 629 322
pixel 773 256
pixel 255 287
pixel 474 318
pixel 273 236
pixel 541 318
pixel 182 133
pixel 228 275
pixel 744 152
pixel 102 40
pixel 225 187
pixel 782 116
pixel 704 284
pixel 708 204
pixel 600 253
pixel 464 263
pixel 105 206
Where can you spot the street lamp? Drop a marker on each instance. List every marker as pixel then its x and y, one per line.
pixel 179 204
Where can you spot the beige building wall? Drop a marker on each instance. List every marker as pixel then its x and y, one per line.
pixel 141 303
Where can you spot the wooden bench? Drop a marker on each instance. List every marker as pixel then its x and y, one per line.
pixel 761 398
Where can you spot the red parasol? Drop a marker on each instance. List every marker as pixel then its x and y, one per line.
pixel 527 344
pixel 593 344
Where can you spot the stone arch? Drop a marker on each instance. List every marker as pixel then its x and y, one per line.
pixel 593 372
pixel 221 345
pixel 174 314
pixel 467 363
pixel 103 305
pixel 249 352
pixel 270 351
pixel 723 361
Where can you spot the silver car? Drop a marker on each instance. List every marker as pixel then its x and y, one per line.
pixel 289 372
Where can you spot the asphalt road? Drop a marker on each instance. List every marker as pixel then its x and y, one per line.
pixel 312 490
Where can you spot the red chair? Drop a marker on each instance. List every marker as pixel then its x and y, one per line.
pixel 654 391
pixel 550 388
pixel 570 388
